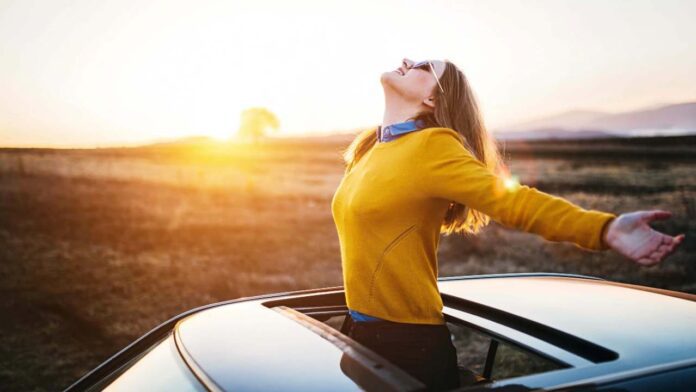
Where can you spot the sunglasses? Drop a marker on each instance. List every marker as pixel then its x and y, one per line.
pixel 428 67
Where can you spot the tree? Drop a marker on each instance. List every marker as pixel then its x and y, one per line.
pixel 255 123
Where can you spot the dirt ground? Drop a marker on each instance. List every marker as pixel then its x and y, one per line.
pixel 97 247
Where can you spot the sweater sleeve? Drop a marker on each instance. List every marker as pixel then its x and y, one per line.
pixel 452 173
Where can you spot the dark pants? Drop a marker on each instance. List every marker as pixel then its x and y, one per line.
pixel 424 351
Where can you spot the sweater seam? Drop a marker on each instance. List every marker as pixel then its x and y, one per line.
pixel 392 244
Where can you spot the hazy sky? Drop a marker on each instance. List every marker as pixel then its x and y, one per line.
pixel 95 73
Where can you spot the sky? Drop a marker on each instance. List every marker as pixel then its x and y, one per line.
pixel 84 73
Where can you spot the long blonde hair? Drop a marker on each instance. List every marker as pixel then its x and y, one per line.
pixel 461 114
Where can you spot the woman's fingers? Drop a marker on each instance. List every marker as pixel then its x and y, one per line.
pixel 671 244
pixel 646 261
pixel 659 255
pixel 668 247
pixel 655 253
pixel 661 252
pixel 676 241
pixel 668 244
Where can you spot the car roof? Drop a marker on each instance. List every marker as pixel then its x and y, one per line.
pixel 642 326
pixel 267 340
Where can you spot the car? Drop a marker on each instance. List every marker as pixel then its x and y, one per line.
pixel 531 331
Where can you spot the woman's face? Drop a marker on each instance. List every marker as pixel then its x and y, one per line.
pixel 412 84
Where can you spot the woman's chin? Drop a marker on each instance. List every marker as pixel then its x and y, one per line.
pixel 387 77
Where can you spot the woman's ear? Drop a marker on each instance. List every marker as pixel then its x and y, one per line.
pixel 430 101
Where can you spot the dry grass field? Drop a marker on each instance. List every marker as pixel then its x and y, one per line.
pixel 99 246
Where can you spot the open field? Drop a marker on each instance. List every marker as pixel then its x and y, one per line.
pixel 99 246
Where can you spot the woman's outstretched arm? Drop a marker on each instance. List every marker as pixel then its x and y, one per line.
pixel 451 172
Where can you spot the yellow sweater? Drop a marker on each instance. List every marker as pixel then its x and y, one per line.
pixel 389 207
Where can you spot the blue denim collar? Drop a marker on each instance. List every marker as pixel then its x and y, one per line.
pixel 393 131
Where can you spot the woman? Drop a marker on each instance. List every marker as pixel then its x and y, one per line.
pixel 429 168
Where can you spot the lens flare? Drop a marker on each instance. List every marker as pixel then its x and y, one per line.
pixel 511 183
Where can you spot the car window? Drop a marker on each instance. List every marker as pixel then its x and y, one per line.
pixel 512 361
pixel 490 358
pixel 472 347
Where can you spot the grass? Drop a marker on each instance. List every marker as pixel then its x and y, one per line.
pixel 97 247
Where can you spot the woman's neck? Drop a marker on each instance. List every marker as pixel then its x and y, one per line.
pixel 396 113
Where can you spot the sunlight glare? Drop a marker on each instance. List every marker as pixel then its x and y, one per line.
pixel 512 183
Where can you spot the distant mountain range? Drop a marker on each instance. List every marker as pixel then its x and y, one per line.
pixel 666 120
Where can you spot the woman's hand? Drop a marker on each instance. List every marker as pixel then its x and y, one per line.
pixel 630 235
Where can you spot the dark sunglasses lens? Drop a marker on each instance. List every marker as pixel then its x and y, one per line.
pixel 424 66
